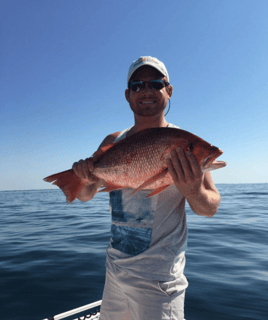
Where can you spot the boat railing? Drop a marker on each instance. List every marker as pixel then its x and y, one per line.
pixel 77 310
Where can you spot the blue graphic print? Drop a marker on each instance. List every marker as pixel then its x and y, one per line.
pixel 130 232
pixel 131 240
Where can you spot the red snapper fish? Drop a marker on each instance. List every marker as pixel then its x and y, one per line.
pixel 139 162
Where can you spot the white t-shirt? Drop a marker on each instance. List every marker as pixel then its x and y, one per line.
pixel 148 235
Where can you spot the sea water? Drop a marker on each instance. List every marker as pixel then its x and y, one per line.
pixel 52 255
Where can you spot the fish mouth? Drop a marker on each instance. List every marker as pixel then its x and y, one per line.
pixel 208 160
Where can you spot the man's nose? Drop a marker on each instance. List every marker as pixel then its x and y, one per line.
pixel 148 88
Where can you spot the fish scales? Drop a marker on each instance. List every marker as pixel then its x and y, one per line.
pixel 130 164
pixel 139 162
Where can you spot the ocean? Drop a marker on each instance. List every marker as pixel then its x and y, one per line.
pixel 52 255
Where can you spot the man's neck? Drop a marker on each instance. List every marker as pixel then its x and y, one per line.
pixel 146 123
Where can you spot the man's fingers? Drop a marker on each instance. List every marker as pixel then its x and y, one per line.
pixel 90 164
pixel 76 170
pixel 196 169
pixel 83 169
pixel 171 170
pixel 177 166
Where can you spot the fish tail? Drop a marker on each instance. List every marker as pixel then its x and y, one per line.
pixel 68 182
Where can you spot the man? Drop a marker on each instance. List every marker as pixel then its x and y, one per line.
pixel 146 255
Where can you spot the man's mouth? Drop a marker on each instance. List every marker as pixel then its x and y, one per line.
pixel 147 102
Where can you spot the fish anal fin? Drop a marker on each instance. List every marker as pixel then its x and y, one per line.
pixel 157 190
pixel 109 187
pixel 151 180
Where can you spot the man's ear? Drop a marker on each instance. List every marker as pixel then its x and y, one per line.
pixel 170 90
pixel 127 95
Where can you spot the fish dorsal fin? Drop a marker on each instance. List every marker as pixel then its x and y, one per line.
pixel 103 149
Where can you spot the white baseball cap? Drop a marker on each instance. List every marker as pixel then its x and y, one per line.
pixel 147 61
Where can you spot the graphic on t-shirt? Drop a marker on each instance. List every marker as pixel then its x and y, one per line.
pixel 129 240
pixel 131 223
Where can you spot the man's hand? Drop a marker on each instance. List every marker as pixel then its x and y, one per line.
pixel 198 188
pixel 84 168
pixel 185 172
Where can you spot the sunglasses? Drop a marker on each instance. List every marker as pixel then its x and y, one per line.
pixel 137 86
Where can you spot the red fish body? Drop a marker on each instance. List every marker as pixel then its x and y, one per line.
pixel 139 162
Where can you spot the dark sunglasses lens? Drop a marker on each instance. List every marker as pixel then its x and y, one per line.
pixel 157 84
pixel 140 85
pixel 136 86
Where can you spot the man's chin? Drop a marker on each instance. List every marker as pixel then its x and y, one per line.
pixel 147 114
pixel 147 111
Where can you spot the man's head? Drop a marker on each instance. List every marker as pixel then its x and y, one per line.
pixel 146 97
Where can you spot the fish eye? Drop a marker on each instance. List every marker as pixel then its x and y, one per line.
pixel 190 147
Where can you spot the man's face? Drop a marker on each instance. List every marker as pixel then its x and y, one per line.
pixel 148 102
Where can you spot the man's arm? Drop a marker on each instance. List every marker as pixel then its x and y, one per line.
pixel 207 200
pixel 83 169
pixel 198 188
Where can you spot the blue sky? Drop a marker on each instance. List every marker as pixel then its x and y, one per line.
pixel 63 74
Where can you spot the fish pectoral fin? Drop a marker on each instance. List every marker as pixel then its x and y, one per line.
pixel 166 154
pixel 151 180
pixel 157 190
pixel 179 142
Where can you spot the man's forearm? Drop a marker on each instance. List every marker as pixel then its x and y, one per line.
pixel 205 203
